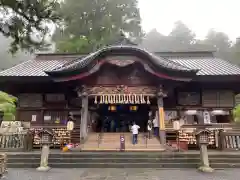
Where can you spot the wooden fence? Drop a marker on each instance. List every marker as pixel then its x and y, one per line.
pixel 14 141
pixel 229 140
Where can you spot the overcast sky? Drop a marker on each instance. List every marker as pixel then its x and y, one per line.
pixel 199 15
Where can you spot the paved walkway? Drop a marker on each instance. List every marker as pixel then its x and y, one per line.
pixel 120 174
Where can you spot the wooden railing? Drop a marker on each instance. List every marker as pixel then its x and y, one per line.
pixel 230 140
pixel 14 141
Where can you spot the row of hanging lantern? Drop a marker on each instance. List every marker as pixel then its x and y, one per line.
pixel 114 108
pixel 122 99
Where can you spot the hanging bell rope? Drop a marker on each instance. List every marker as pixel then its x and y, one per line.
pixel 121 99
pixel 110 99
pixel 142 99
pixel 131 100
pixel 126 101
pixel 113 98
pixel 148 101
pixel 137 101
pixel 95 101
pixel 101 99
pixel 106 99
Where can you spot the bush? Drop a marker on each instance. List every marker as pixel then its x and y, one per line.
pixel 7 106
pixel 236 114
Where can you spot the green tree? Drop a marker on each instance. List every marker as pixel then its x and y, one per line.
pixel 182 35
pixel 220 42
pixel 235 50
pixel 7 105
pixel 90 24
pixel 26 22
pixel 156 42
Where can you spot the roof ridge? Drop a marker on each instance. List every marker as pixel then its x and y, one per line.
pixel 69 62
pixel 156 59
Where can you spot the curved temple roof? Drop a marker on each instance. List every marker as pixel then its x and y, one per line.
pixel 150 59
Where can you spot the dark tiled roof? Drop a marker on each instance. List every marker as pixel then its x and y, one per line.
pixel 38 66
pixel 208 65
pixel 204 61
pixel 158 61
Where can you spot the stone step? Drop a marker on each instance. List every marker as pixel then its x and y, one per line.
pixel 123 160
pixel 122 165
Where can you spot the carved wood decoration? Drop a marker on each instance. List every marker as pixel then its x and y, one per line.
pixel 122 61
pixel 121 89
pixel 131 74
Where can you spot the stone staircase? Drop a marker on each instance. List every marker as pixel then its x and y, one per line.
pixel 123 159
pixel 111 142
pixel 144 144
pixel 91 142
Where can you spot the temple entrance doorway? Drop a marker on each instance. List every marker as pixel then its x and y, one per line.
pixel 119 118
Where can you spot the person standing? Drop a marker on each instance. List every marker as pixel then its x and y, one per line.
pixel 156 125
pixel 135 129
pixel 149 128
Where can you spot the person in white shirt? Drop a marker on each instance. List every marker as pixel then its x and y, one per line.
pixel 134 130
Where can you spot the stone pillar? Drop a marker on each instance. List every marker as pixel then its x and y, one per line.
pixel 162 131
pixel 204 159
pixel 44 159
pixel 84 116
pixel 161 115
pixel 204 155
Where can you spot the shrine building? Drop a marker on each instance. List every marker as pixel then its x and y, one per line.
pixel 104 92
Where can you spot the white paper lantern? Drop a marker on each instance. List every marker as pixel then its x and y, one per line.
pixel 190 112
pixel 219 112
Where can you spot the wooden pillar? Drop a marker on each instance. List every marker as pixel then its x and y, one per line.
pixel 161 115
pixel 84 116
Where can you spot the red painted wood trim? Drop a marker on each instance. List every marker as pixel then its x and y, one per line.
pixel 101 62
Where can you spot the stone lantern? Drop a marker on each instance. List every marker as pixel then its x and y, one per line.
pixel 46 136
pixel 202 136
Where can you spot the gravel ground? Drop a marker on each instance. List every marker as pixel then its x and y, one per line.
pixel 120 174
